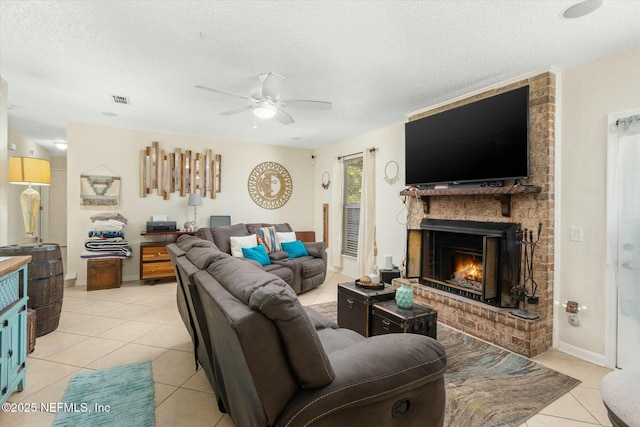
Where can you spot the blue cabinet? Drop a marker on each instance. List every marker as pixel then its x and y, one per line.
pixel 13 324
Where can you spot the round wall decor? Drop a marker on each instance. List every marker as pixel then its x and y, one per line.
pixel 270 185
pixel 326 181
pixel 391 172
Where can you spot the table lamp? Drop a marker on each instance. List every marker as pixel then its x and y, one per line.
pixel 194 200
pixel 29 171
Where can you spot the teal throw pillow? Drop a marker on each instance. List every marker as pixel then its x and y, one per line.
pixel 257 253
pixel 295 249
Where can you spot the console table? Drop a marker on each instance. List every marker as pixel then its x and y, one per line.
pixel 13 324
pixel 154 258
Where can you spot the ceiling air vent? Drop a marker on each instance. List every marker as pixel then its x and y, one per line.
pixel 121 99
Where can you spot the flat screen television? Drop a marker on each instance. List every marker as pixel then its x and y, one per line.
pixel 486 141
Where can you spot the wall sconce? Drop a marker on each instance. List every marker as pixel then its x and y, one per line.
pixel 29 171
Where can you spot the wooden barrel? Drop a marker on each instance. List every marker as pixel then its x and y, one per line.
pixel 45 287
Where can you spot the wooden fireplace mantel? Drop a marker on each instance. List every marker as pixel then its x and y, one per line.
pixel 501 194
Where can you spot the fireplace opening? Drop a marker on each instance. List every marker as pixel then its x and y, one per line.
pixel 477 260
pixel 467 270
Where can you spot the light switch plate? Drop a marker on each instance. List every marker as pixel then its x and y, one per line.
pixel 575 234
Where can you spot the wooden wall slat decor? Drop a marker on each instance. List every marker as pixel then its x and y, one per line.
pixel 179 171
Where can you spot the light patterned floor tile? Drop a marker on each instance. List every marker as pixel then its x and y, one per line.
pixel 129 330
pixel 128 353
pixel 568 404
pixel 85 352
pixel 188 408
pixel 54 342
pixel 173 367
pixel 165 336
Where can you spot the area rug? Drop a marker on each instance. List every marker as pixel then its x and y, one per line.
pixel 486 385
pixel 112 397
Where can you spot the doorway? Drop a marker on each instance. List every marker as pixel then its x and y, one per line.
pixel 623 238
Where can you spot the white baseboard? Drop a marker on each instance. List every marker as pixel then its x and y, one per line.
pixel 589 356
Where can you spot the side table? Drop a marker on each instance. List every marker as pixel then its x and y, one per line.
pixel 386 276
pixel 354 306
pixel 154 258
pixel 387 318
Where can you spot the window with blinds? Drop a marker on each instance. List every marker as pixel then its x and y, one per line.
pixel 351 206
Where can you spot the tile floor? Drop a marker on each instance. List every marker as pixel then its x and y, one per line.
pixel 138 321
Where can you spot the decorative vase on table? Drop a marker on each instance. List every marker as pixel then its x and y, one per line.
pixel 404 296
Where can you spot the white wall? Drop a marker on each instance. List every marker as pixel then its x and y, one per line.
pixel 589 93
pixel 96 149
pixel 390 210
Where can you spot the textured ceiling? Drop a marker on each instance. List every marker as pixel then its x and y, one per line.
pixel 375 61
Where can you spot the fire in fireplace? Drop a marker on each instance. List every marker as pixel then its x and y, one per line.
pixel 467 270
pixel 477 260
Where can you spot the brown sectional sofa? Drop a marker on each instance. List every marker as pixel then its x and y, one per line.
pixel 307 272
pixel 273 362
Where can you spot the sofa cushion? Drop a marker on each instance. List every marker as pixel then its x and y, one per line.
pixel 275 299
pixel 221 235
pixel 295 249
pixel 311 266
pixel 279 227
pixel 239 242
pixel 280 271
pixel 203 257
pixel 278 255
pixel 257 253
pixel 186 242
pixel 316 249
pixel 267 237
pixel 300 338
pixel 288 236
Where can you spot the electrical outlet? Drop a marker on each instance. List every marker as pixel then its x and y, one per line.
pixel 575 234
pixel 573 319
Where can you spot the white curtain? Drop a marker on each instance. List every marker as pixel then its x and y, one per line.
pixel 627 202
pixel 335 217
pixel 367 230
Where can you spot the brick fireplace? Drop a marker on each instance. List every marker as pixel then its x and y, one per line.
pixel 483 310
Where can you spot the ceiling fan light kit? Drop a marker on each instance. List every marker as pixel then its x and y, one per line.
pixel 265 110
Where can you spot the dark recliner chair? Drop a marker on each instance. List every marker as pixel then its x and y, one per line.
pixel 276 363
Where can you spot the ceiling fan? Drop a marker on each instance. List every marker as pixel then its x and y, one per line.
pixel 267 103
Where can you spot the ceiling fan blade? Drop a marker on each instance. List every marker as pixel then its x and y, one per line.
pixel 237 110
pixel 309 105
pixel 223 92
pixel 271 86
pixel 283 117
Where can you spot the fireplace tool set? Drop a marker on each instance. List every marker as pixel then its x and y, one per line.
pixel 519 291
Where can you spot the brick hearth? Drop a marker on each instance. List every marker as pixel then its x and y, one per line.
pixel 492 324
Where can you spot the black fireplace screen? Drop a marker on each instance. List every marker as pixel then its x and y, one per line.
pixel 478 260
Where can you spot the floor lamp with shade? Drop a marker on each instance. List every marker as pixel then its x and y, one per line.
pixel 29 171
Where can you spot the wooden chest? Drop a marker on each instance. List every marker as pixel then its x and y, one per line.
pixel 388 318
pixel 105 273
pixel 354 306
